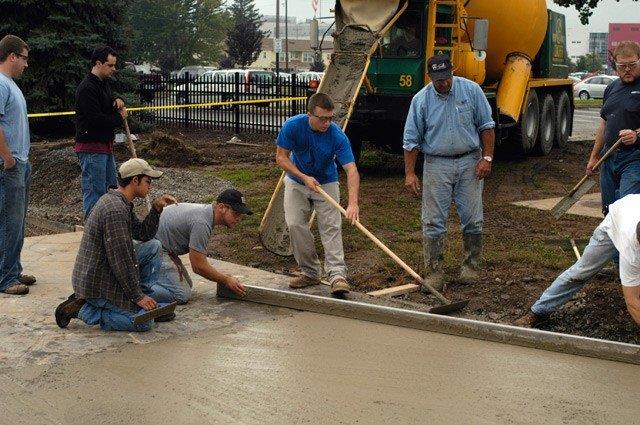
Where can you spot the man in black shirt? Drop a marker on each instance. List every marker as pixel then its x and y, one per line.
pixel 98 113
pixel 620 113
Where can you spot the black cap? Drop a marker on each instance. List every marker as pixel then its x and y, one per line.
pixel 439 67
pixel 235 200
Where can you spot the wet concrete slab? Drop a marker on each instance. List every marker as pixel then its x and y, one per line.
pixel 224 361
pixel 589 206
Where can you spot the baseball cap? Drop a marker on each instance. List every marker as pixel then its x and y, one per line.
pixel 235 200
pixel 137 166
pixel 439 67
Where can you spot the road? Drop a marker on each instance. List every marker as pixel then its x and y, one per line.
pixel 585 123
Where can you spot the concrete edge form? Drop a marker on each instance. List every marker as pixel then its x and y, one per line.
pixel 506 334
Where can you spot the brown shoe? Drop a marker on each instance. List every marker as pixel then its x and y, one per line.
pixel 302 282
pixel 27 279
pixel 165 318
pixel 531 320
pixel 17 289
pixel 340 287
pixel 68 310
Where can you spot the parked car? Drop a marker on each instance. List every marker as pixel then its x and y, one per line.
pixel 574 79
pixel 194 71
pixel 219 86
pixel 151 80
pixel 593 87
pixel 580 75
pixel 309 75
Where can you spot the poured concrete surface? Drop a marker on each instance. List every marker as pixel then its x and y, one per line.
pixel 226 361
pixel 589 206
pixel 309 368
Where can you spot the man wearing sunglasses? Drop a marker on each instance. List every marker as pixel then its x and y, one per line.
pixel 15 170
pixel 307 149
pixel 98 113
pixel 620 118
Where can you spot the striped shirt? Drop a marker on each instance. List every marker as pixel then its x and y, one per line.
pixel 106 265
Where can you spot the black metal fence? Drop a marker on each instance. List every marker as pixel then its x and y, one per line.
pixel 270 94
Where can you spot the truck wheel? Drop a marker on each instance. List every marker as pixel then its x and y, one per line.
pixel 547 128
pixel 563 120
pixel 526 131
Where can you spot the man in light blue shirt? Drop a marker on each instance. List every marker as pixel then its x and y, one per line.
pixel 15 170
pixel 450 122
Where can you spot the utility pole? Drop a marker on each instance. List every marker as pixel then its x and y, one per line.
pixel 286 32
pixel 276 40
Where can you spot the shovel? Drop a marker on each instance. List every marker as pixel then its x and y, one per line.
pixel 581 188
pixel 447 306
pixel 132 151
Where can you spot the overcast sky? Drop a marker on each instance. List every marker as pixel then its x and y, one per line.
pixel 606 12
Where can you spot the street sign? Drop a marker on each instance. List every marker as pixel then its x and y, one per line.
pixel 277 45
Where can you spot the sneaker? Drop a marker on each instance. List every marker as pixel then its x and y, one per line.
pixel 68 310
pixel 531 320
pixel 340 287
pixel 26 279
pixel 302 282
pixel 17 289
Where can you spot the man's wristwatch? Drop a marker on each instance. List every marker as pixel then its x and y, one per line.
pixel 488 158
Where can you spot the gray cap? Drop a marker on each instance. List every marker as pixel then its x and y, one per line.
pixel 137 166
pixel 439 67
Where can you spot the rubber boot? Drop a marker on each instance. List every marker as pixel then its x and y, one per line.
pixel 472 255
pixel 432 252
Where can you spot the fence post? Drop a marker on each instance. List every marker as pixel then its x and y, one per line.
pixel 186 99
pixel 236 107
pixel 294 93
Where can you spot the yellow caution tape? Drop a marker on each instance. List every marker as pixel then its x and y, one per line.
pixel 191 105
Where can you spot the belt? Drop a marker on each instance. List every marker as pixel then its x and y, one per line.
pixel 456 156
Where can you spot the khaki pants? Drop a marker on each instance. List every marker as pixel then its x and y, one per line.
pixel 299 201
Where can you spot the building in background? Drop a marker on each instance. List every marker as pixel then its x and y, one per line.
pixel 300 55
pixel 297 29
pixel 598 44
pixel 622 32
pixel 577 42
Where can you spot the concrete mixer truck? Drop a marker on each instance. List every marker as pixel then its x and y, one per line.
pixel 515 49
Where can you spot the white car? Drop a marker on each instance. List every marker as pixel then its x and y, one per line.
pixel 593 87
pixel 219 86
pixel 307 76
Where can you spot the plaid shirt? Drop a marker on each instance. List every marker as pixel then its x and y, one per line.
pixel 106 265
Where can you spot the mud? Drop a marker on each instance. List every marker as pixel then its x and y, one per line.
pixel 169 151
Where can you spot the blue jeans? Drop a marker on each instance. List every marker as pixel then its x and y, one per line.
pixel 99 311
pixel 174 278
pixel 149 256
pixel 98 175
pixel 446 179
pixel 617 180
pixel 14 198
pixel 596 255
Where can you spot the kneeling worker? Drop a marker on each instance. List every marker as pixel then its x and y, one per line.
pixel 186 228
pixel 106 276
pixel 619 230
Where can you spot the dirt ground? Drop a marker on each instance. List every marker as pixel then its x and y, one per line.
pixel 525 249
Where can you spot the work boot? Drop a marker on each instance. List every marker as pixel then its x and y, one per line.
pixel 17 289
pixel 531 320
pixel 472 253
pixel 339 287
pixel 26 279
pixel 165 318
pixel 68 310
pixel 432 253
pixel 302 282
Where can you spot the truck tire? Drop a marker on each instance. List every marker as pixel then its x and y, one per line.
pixel 547 128
pixel 525 132
pixel 563 120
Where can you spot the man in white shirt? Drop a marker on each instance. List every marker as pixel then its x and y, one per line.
pixel 619 230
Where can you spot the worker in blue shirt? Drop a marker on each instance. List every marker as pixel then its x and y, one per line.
pixel 450 122
pixel 308 147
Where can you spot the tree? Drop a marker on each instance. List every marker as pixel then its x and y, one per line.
pixel 244 39
pixel 585 7
pixel 176 33
pixel 61 36
pixel 589 62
